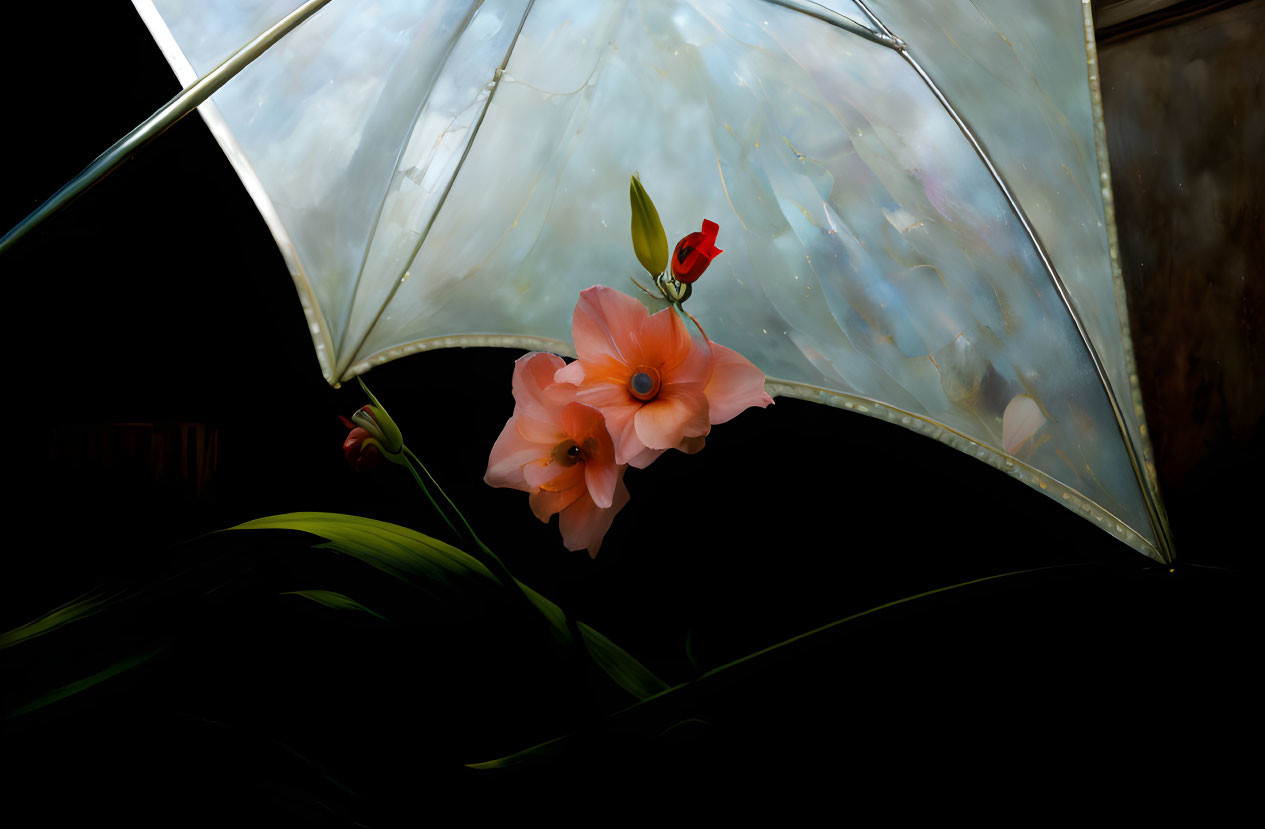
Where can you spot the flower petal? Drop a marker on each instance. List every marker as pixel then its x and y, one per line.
pixel 648 456
pixel 607 371
pixel 1019 422
pixel 510 454
pixel 605 396
pixel 697 367
pixel 680 411
pixel 736 385
pixel 535 393
pixel 551 476
pixel 587 428
pixel 692 446
pixel 621 424
pixel 600 480
pixel 548 433
pixel 603 323
pixel 689 446
pixel 662 341
pixel 584 524
pixel 545 502
pixel 572 373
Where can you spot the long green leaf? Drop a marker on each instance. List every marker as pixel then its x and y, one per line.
pixel 430 564
pixel 72 611
pixel 627 672
pixel 337 601
pixel 553 615
pixel 557 745
pixel 543 751
pixel 83 684
pixel 398 551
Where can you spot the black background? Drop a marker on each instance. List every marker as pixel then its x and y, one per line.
pixel 160 297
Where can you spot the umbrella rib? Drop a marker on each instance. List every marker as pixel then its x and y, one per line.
pixel 883 37
pixel 811 9
pixel 186 101
pixel 346 361
pixel 1163 540
pixel 1122 311
pixel 878 24
pixel 373 230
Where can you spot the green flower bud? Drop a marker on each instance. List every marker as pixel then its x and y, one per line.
pixel 375 420
pixel 650 243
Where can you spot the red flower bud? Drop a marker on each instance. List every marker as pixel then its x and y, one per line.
pixel 373 436
pixel 362 451
pixel 695 252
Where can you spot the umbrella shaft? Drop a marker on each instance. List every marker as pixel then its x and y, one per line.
pixel 178 107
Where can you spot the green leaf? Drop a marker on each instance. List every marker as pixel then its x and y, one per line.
pixel 627 672
pixel 70 612
pixel 540 752
pixel 338 601
pixel 429 564
pixel 398 551
pixel 689 648
pixel 553 614
pixel 653 709
pixel 83 684
pixel 650 243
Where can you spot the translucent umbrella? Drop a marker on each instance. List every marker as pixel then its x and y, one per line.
pixel 913 197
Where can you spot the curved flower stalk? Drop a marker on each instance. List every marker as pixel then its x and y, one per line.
pixel 374 435
pixel 559 450
pixel 656 386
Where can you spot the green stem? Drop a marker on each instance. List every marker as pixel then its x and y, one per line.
pixel 429 497
pixel 492 560
pixel 469 530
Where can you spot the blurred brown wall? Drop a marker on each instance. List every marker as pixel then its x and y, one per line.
pixel 1185 115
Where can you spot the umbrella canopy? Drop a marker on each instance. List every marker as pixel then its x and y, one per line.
pixel 912 197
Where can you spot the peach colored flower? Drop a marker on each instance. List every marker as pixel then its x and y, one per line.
pixel 558 450
pixel 657 388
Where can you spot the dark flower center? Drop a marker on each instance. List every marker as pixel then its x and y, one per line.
pixel 644 383
pixel 567 453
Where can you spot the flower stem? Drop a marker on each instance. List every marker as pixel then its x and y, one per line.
pixel 491 559
pixel 429 497
pixel 502 571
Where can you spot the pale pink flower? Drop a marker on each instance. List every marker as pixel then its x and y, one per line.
pixel 558 450
pixel 657 387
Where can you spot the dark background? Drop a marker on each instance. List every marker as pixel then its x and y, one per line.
pixel 163 385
